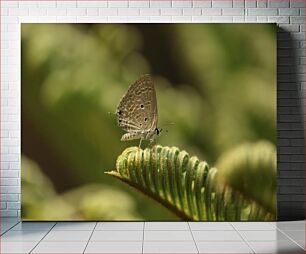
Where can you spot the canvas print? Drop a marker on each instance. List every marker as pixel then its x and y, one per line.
pixel 148 122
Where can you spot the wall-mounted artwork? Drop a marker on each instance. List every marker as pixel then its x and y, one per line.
pixel 136 122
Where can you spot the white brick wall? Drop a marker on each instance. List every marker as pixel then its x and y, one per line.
pixel 288 13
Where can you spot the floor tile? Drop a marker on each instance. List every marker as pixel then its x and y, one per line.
pixel 169 247
pixel 295 234
pixel 216 236
pixel 223 247
pixel 166 226
pixel 7 225
pixel 114 247
pixel 252 225
pixel 17 247
pixel 33 226
pixel 70 236
pixel 23 236
pixel 119 226
pixel 9 220
pixel 276 247
pixel 211 226
pixel 167 236
pixel 74 226
pixel 258 235
pixel 99 236
pixel 60 247
pixel 291 225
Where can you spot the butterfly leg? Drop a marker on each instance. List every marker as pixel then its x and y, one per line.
pixel 140 143
pixel 151 142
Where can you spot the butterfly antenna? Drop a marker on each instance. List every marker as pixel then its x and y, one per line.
pixel 111 113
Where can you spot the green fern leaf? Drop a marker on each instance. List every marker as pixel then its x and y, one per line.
pixel 188 186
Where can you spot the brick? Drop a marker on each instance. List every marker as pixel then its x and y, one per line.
pixel 92 11
pixel 192 11
pixel 9 4
pixel 128 11
pixel 18 12
pixel 76 12
pixel 38 11
pixel 262 3
pixel 289 11
pixel 291 134
pixel 150 12
pixel 222 4
pixel 238 19
pixel 291 150
pixel 262 12
pixel 238 3
pixel 278 3
pixel 9 173
pixel 94 4
pixel 297 142
pixel 159 19
pixel 14 165
pixel 108 11
pixel 8 181
pixel 118 19
pixel 139 4
pixel 46 4
pixel 181 19
pixel 56 12
pixel 203 3
pixel 279 19
pixel 172 11
pixel 297 20
pixel 160 4
pixel 262 19
pixel 291 173
pixel 222 19
pixel 295 197
pixel 9 213
pixel 201 19
pixel 2 206
pixel 291 189
pixel 211 11
pixel 4 12
pixel 297 3
pixel 66 4
pixel 290 28
pixel 92 19
pixel 250 3
pixel 181 3
pixel 10 189
pixel 9 197
pixel 118 4
pixel 13 205
pixel 233 12
pixel 291 182
pixel 250 19
pixel 139 19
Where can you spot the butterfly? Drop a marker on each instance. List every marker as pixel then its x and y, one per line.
pixel 137 111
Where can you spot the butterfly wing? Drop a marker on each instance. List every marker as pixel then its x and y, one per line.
pixel 137 110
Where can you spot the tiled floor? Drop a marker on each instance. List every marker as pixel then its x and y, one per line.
pixel 152 237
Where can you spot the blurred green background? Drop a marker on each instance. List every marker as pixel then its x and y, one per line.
pixel 215 82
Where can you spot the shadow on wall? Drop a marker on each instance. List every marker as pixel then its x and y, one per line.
pixel 290 128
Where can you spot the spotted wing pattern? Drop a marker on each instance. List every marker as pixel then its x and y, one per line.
pixel 137 110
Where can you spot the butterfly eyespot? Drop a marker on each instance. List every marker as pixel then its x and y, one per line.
pixel 141 106
pixel 120 121
pixel 119 112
